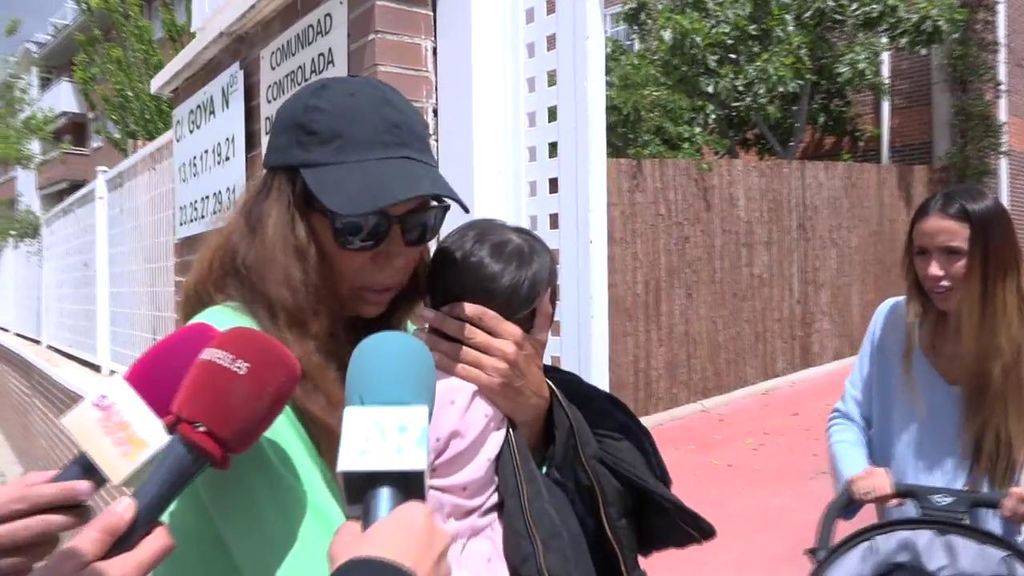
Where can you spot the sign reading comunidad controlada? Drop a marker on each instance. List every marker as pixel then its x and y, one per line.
pixel 314 47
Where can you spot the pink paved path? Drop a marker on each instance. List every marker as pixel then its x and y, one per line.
pixel 758 469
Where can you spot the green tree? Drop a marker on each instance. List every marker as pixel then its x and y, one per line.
pixel 22 126
pixel 118 57
pixel 726 76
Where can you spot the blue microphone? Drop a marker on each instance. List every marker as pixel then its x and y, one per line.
pixel 383 452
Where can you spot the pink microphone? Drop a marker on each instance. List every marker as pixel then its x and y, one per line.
pixel 156 377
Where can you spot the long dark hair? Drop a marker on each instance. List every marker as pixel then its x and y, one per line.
pixel 266 258
pixel 500 266
pixel 990 320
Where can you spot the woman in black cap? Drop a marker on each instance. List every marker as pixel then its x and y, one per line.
pixel 329 246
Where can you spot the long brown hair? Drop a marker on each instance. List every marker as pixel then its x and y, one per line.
pixel 266 258
pixel 990 322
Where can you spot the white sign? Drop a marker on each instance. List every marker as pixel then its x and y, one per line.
pixel 314 47
pixel 209 154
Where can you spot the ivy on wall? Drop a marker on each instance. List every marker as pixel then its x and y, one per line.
pixel 974 84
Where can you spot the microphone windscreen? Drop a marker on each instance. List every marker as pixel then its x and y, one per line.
pixel 390 368
pixel 237 387
pixel 158 373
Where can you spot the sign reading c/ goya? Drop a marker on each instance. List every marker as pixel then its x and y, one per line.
pixel 209 154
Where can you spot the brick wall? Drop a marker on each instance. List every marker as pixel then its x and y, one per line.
pixel 1015 97
pixel 392 41
pixel 911 136
pixel 910 140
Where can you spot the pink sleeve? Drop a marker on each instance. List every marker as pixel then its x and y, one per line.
pixel 466 434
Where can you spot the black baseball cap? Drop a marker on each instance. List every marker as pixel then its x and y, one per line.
pixel 359 144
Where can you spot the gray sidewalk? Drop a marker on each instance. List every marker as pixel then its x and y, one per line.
pixel 9 466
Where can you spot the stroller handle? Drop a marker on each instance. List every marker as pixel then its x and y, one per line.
pixel 933 502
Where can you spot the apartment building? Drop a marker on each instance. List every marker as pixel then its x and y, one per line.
pixel 70 158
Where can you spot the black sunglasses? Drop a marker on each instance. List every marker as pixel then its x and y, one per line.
pixel 364 232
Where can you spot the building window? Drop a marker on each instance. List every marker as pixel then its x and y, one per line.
pixel 615 27
pixel 151 11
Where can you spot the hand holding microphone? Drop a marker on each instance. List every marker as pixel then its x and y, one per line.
pixel 34 511
pixel 408 537
pixel 82 555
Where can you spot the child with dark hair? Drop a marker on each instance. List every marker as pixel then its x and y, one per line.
pixel 507 269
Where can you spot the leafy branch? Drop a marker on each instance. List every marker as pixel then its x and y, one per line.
pixel 22 127
pixel 977 133
pixel 756 75
pixel 117 58
pixel 22 124
pixel 17 225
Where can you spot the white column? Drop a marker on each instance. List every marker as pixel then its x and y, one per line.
pixel 885 111
pixel 1003 104
pixel 587 158
pixel 102 273
pixel 480 118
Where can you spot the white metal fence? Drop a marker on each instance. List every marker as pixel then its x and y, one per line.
pixel 101 285
pixel 19 298
pixel 140 210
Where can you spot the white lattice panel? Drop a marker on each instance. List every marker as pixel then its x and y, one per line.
pixel 141 225
pixel 69 276
pixel 542 107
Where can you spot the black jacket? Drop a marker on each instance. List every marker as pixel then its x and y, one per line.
pixel 604 497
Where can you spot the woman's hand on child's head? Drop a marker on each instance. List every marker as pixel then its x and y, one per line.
pixel 1012 506
pixel 504 362
pixel 872 485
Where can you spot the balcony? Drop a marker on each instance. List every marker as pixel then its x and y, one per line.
pixel 58 45
pixel 62 97
pixel 72 167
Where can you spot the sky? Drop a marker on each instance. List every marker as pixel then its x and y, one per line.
pixel 33 14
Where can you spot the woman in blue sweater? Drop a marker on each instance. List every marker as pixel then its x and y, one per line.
pixel 936 396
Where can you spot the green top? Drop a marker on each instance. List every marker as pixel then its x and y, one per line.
pixel 274 511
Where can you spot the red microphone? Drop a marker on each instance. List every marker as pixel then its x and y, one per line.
pixel 234 391
pixel 155 376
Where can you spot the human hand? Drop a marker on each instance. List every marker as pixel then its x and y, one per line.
pixel 1012 505
pixel 83 554
pixel 409 537
pixel 872 485
pixel 505 363
pixel 33 513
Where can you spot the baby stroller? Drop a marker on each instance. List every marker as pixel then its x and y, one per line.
pixel 937 542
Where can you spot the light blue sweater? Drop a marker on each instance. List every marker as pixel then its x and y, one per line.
pixel 913 429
